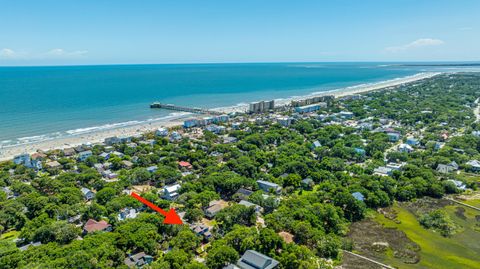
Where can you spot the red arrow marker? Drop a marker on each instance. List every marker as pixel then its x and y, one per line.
pixel 171 216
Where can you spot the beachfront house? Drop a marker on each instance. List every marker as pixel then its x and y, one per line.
pixel 189 123
pixel 162 132
pixel 175 136
pixel 112 140
pixel 23 159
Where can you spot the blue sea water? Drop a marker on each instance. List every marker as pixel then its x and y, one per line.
pixel 49 101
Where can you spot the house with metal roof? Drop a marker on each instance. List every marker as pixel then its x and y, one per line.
pixel 252 259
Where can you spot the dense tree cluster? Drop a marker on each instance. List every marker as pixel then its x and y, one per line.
pixel 317 218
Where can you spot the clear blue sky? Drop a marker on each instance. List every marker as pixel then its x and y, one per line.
pixel 47 32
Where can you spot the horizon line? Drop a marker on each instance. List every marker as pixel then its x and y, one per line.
pixel 253 62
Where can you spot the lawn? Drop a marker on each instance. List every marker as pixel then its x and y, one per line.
pixel 459 251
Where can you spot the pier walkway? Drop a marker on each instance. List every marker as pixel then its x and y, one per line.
pixel 185 109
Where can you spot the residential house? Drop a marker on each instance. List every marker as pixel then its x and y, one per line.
pixel 405 148
pixel 395 166
pixel 252 259
pixel 267 186
pixel 127 213
pixel 214 207
pixel 346 115
pixel 31 244
pixel 8 192
pixel 138 260
pixel 162 132
pixel 95 226
pixel 22 159
pixel 127 164
pixel 68 152
pixel 447 168
pixel 285 121
pixel 460 185
pixel 175 136
pixel 87 194
pixel 316 144
pixel 229 139
pixel 308 183
pixel 82 156
pixel 53 165
pixel 171 192
pixel 112 140
pixel 152 169
pixel 258 209
pixel 201 230
pixel 412 141
pixel 358 196
pixel 393 136
pixel 242 194
pixel 360 151
pixel 185 165
pixel 383 171
pixel 474 164
pixel 438 145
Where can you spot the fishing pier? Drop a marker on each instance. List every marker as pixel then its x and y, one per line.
pixel 185 109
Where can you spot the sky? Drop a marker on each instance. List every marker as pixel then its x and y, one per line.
pixel 60 32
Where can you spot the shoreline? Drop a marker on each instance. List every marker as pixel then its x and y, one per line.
pixel 8 152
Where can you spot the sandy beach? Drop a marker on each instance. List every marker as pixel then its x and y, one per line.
pixel 8 152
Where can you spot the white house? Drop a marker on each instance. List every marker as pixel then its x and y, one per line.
pixel 171 192
pixel 474 164
pixel 87 194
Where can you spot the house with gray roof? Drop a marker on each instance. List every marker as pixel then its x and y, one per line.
pixel 87 194
pixel 266 186
pixel 252 259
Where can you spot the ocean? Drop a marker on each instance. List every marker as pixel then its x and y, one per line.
pixel 38 103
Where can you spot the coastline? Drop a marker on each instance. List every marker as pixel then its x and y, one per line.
pixel 8 152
